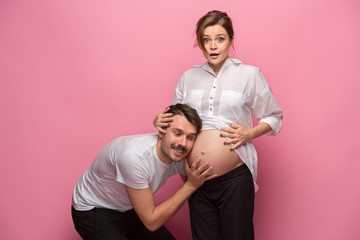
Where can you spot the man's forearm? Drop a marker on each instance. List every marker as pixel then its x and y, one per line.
pixel 167 209
pixel 153 217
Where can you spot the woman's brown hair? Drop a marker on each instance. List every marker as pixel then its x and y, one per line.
pixel 212 18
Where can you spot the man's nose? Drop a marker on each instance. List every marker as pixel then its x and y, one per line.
pixel 182 141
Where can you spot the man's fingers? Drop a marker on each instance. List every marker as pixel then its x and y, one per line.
pixel 211 177
pixel 196 163
pixel 207 170
pixel 203 167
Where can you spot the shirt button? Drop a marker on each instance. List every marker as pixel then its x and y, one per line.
pixel 214 87
pixel 210 109
pixel 211 98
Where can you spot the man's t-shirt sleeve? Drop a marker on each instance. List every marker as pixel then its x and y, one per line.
pixel 131 171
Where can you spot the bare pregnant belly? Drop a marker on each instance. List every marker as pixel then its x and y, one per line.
pixel 209 146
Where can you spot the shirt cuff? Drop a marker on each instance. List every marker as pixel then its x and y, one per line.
pixel 274 123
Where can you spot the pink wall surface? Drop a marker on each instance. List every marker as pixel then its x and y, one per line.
pixel 76 74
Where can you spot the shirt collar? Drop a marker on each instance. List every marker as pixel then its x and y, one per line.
pixel 228 61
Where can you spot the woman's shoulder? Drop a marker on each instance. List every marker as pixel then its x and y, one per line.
pixel 245 67
pixel 195 70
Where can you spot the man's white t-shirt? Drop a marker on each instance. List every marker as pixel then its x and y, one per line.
pixel 128 160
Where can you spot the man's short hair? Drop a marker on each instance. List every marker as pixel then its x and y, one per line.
pixel 188 112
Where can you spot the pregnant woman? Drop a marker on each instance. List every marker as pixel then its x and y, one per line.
pixel 226 93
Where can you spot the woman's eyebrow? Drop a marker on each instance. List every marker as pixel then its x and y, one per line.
pixel 220 34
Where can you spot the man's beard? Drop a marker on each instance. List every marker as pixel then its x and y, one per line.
pixel 177 148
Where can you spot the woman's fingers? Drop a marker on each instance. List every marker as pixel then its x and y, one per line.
pixel 165 118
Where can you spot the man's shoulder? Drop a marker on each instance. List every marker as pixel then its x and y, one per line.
pixel 133 141
pixel 134 145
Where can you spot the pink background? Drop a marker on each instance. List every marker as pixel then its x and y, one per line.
pixel 76 74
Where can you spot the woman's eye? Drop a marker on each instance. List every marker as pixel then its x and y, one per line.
pixel 221 39
pixel 206 40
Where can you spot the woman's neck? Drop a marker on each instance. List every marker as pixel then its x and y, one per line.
pixel 216 68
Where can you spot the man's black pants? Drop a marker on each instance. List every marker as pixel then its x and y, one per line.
pixel 107 224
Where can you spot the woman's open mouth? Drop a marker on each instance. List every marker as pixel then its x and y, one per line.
pixel 214 55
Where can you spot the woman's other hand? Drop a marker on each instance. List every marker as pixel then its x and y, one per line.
pixel 162 120
pixel 237 135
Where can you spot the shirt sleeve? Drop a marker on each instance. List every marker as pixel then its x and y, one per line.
pixel 179 91
pixel 131 171
pixel 265 107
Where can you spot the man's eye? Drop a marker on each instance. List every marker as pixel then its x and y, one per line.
pixel 191 138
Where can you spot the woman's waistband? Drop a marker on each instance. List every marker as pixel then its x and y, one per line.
pixel 228 177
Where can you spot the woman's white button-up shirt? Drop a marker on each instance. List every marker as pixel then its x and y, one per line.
pixel 231 97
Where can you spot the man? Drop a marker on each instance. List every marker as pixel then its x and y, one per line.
pixel 113 199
